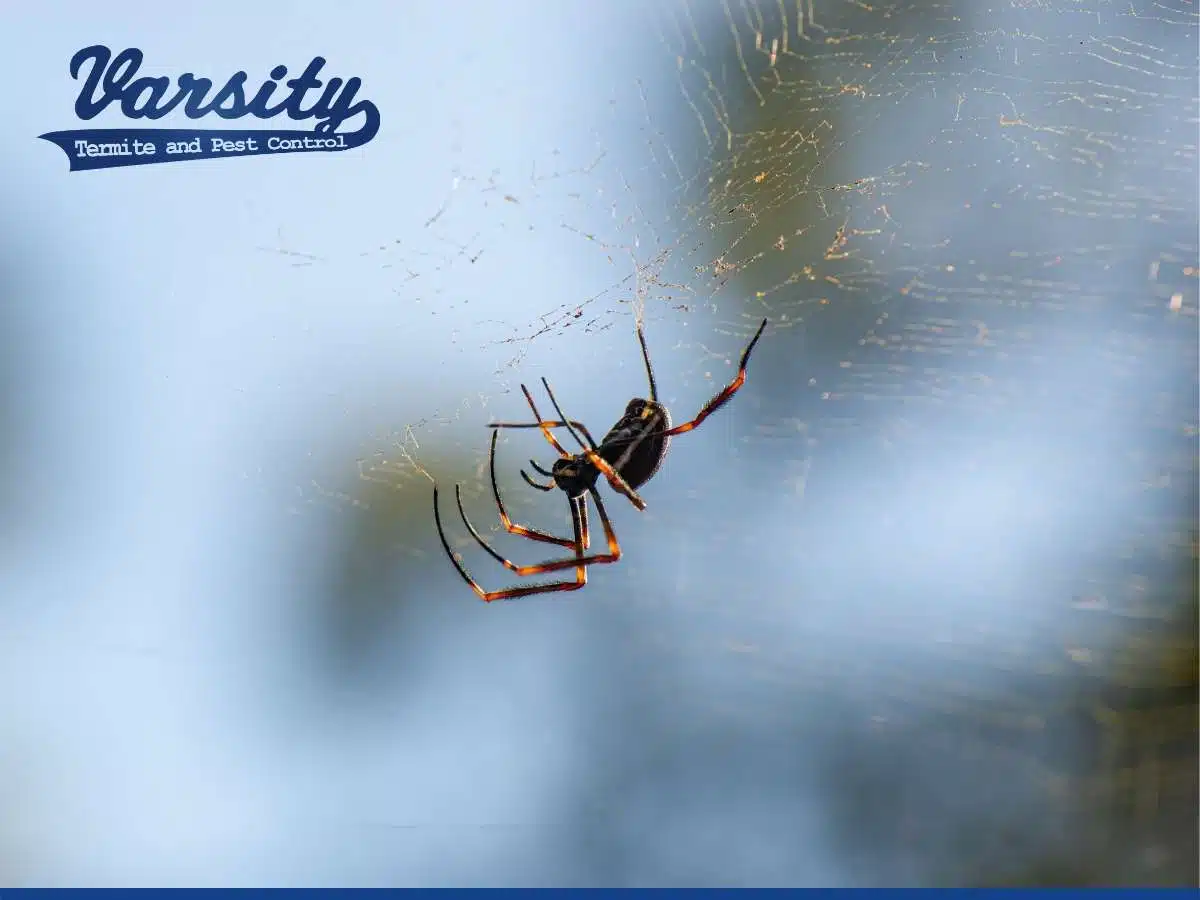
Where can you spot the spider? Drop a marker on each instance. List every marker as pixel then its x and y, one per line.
pixel 628 456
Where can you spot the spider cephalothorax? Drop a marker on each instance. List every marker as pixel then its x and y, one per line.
pixel 629 455
pixel 574 475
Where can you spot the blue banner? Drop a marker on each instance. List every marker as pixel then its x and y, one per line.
pixel 107 148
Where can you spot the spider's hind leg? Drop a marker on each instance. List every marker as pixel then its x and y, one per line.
pixel 726 394
pixel 579 519
pixel 513 593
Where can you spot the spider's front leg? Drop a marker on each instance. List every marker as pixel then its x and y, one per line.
pixel 545 426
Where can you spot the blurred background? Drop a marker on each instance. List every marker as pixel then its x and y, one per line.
pixel 917 608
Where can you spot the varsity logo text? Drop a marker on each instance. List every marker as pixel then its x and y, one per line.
pixel 110 83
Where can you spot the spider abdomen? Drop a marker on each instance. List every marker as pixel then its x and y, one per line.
pixel 636 446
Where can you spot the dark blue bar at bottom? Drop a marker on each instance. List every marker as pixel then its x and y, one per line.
pixel 974 893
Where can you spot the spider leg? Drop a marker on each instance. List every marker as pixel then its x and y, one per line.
pixel 724 396
pixel 579 521
pixel 619 484
pixel 547 424
pixel 551 486
pixel 539 469
pixel 545 429
pixel 529 481
pixel 649 369
pixel 541 487
pixel 556 565
pixel 590 445
pixel 510 526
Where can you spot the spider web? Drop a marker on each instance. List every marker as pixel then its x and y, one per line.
pixel 950 214
pixel 797 215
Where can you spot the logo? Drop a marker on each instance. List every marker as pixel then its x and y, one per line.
pixel 110 83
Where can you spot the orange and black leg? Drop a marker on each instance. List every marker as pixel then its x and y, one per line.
pixel 724 397
pixel 578 514
pixel 510 526
pixel 578 520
